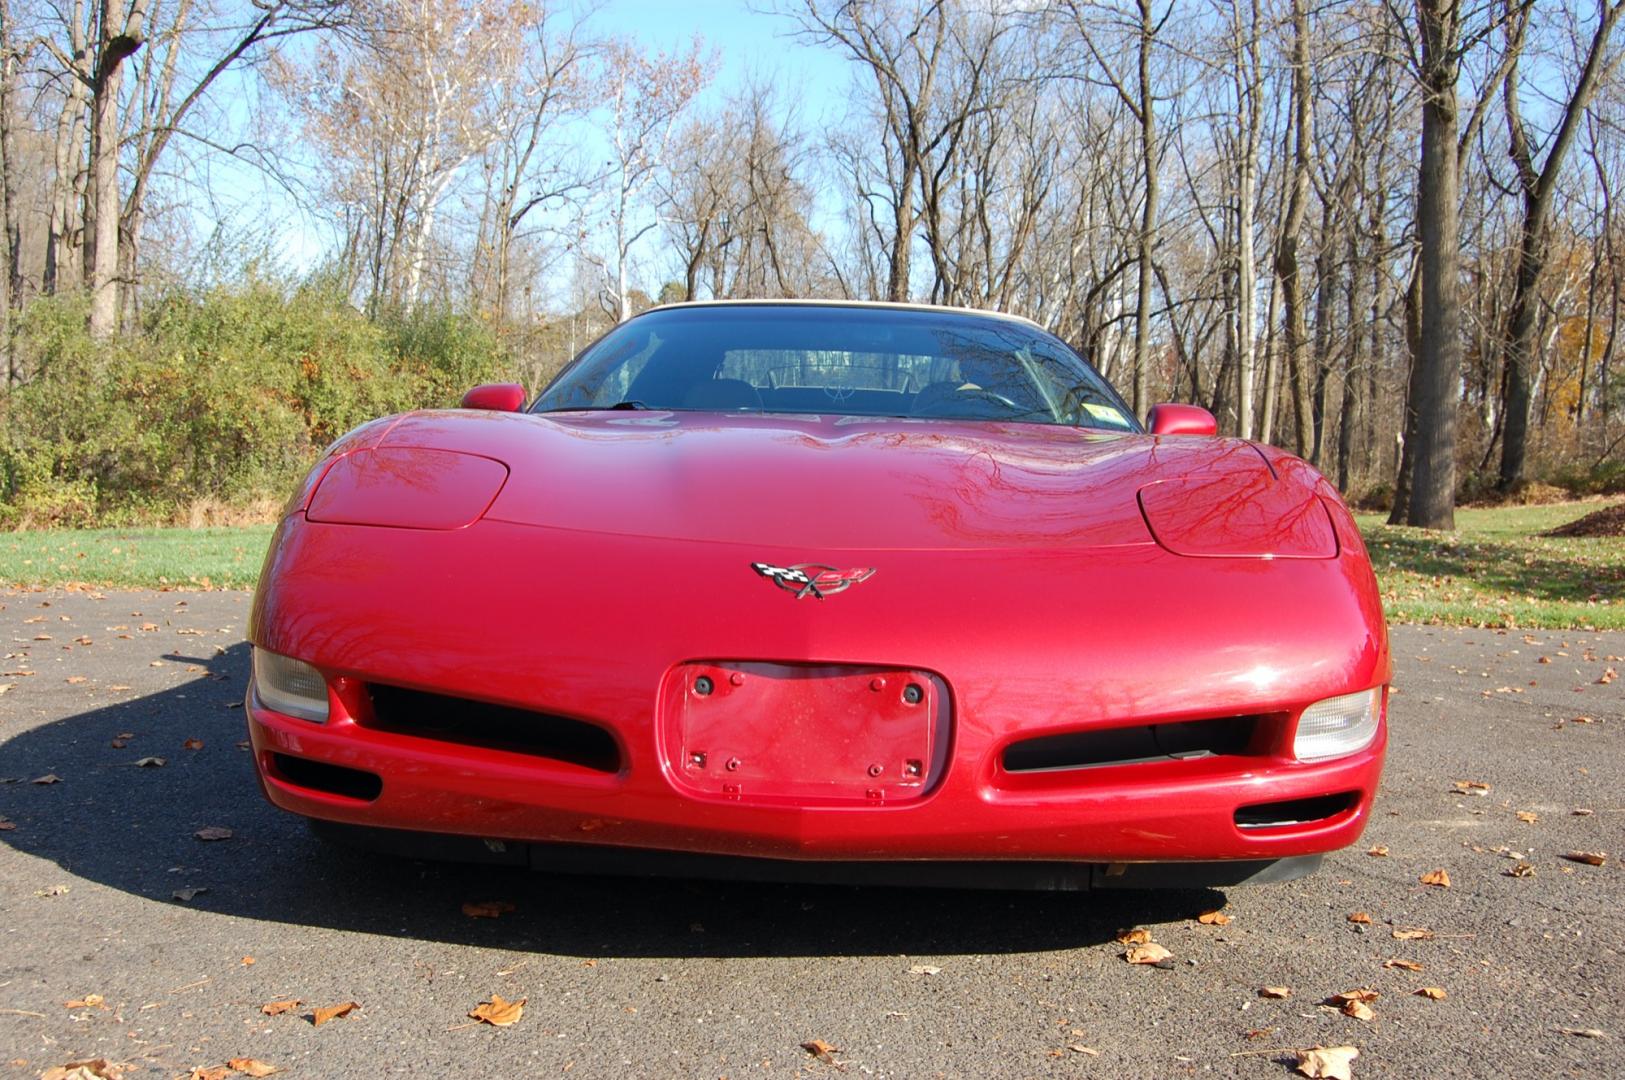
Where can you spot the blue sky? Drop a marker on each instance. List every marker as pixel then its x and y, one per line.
pixel 749 44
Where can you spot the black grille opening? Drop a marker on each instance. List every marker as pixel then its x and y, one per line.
pixel 332 779
pixel 1131 745
pixel 1295 811
pixel 493 727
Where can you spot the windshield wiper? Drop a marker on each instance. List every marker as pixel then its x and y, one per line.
pixel 619 406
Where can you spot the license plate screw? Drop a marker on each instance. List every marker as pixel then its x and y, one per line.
pixel 733 764
pixel 875 770
pixel 913 694
pixel 877 683
pixel 737 679
pixel 911 767
pixel 697 759
pixel 703 685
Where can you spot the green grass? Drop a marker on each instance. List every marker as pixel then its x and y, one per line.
pixel 137 558
pixel 1494 571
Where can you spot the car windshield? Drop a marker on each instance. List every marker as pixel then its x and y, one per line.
pixel 842 360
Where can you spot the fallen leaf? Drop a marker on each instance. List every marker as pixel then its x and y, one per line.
pixel 1357 1009
pixel 150 762
pixel 1213 918
pixel 1274 992
pixel 1360 917
pixel 1327 1062
pixel 1148 953
pixel 821 1050
pixel 89 1001
pixel 1582 812
pixel 1079 1048
pixel 1584 1033
pixel 1522 869
pixel 1437 878
pixel 250 1067
pixel 1590 858
pixel 1134 937
pixel 1363 995
pixel 195 744
pixel 925 969
pixel 53 890
pixel 219 1072
pixel 74 680
pixel 48 778
pixel 1528 817
pixel 6 686
pixel 499 1013
pixel 1403 965
pixel 277 1008
pixel 118 744
pixel 1413 933
pixel 1378 852
pixel 95 1069
pixel 187 894
pixel 330 1012
pixel 487 909
pixel 6 824
pixel 1472 787
pixel 213 832
pixel 1608 676
pixel 1432 993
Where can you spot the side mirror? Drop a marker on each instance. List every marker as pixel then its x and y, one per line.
pixel 496 396
pixel 1181 420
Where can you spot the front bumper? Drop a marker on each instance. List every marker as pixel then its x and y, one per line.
pixel 578 642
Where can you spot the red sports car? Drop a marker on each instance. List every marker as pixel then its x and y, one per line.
pixel 824 591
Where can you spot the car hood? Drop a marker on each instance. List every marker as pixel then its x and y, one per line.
pixel 825 483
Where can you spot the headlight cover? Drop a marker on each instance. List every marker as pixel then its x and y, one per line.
pixel 1338 726
pixel 290 686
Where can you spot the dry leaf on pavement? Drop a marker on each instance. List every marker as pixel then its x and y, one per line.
pixel 925 969
pixel 1148 953
pixel 196 744
pixel 219 1072
pixel 1328 1062
pixel 150 762
pixel 213 832
pixel 1528 817
pixel 1276 992
pixel 1379 852
pixel 1403 965
pixel 1522 869
pixel 1213 918
pixel 1438 878
pixel 1413 933
pixel 1590 858
pixel 1472 787
pixel 821 1050
pixel 1360 917
pixel 48 778
pixel 89 1001
pixel 1432 993
pixel 331 1012
pixel 1355 1003
pixel 1134 937
pixel 499 1013
pixel 277 1008
pixel 95 1069
pixel 250 1067
pixel 187 894
pixel 487 909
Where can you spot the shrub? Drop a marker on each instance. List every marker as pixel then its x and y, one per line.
pixel 224 396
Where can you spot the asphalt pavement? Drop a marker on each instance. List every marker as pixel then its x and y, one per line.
pixel 100 854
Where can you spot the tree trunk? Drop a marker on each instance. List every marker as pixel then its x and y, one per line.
pixel 1538 187
pixel 1287 269
pixel 1148 219
pixel 120 37
pixel 1436 385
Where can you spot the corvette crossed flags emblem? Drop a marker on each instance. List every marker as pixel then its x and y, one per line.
pixel 812 579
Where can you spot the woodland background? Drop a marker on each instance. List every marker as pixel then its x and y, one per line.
pixel 1381 235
